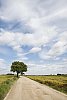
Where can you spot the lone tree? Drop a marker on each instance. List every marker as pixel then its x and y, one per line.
pixel 18 67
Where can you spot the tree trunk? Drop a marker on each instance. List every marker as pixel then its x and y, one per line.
pixel 17 74
pixel 21 73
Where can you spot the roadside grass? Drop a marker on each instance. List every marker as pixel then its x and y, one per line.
pixel 55 81
pixel 6 82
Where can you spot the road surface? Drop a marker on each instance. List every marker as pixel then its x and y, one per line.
pixel 27 89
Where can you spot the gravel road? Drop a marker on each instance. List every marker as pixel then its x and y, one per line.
pixel 27 89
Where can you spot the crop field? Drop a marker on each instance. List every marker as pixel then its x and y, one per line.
pixel 5 84
pixel 58 82
pixel 4 78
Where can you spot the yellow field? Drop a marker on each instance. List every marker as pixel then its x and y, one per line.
pixel 4 78
pixel 56 82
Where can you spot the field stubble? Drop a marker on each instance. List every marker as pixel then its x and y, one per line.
pixel 57 82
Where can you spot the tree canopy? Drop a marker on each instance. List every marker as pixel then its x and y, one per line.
pixel 18 67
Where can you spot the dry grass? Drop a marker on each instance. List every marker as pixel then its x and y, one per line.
pixel 56 82
pixel 5 84
pixel 4 78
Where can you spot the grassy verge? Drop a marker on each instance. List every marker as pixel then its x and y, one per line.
pixel 57 82
pixel 5 84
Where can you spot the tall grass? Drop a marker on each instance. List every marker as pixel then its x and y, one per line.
pixel 56 82
pixel 5 85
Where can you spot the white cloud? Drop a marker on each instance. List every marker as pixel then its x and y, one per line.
pixel 17 40
pixel 26 9
pixel 3 64
pixel 65 60
pixel 43 55
pixel 18 9
pixel 42 69
pixel 37 15
pixel 61 13
pixel 11 40
pixel 31 13
pixel 4 67
pixel 40 36
pixel 59 48
pixel 34 14
pixel 35 49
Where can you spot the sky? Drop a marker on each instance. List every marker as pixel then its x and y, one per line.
pixel 34 32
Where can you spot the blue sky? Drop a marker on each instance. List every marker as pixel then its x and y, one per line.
pixel 35 32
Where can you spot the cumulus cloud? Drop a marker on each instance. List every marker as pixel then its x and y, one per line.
pixel 17 40
pixel 40 16
pixel 35 49
pixel 59 48
pixel 34 13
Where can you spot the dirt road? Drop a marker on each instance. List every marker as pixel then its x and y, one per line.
pixel 26 89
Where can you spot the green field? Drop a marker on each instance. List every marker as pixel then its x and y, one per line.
pixel 5 84
pixel 55 81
